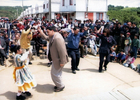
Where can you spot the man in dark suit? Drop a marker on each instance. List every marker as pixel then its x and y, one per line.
pixel 2 49
pixel 6 26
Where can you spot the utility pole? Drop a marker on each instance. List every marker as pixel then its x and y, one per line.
pixel 22 9
pixel 87 9
pixel 50 10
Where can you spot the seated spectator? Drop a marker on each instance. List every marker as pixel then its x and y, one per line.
pixel 120 57
pixel 112 55
pixel 130 60
pixel 91 44
pixel 127 43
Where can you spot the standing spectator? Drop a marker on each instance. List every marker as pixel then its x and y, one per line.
pixel 2 50
pixel 135 45
pixel 38 41
pixel 57 54
pixel 7 41
pixel 120 42
pixel 127 43
pixel 6 26
pixel 134 31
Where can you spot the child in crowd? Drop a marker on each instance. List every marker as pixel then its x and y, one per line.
pixel 127 43
pixel 120 57
pixel 135 45
pixel 112 55
pixel 130 60
pixel 23 78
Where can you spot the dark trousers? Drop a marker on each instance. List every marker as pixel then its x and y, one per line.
pixel 119 58
pixel 75 58
pixel 81 50
pixel 102 55
pixel 112 58
pixel 2 56
pixel 135 50
pixel 37 49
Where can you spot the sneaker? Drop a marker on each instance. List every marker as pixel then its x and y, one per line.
pixel 20 97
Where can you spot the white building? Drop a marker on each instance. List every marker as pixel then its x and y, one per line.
pixel 84 9
pixel 55 8
pixel 75 9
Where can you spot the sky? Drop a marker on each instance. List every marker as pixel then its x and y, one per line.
pixel 129 3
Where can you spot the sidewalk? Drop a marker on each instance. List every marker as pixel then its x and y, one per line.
pixel 117 83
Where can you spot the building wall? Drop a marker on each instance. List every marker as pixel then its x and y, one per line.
pixel 67 7
pixel 81 5
pixel 97 5
pixel 55 7
pixel 80 15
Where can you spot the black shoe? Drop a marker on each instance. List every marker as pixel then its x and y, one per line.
pixel 58 90
pixel 77 69
pixel 28 93
pixel 30 63
pixel 100 71
pixel 49 64
pixel 20 97
pixel 74 72
pixel 55 87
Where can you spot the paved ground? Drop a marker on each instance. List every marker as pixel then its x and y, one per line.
pixel 117 83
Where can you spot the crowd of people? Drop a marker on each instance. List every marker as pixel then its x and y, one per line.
pixel 111 39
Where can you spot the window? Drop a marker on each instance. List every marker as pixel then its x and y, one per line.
pixel 43 6
pixel 47 5
pixel 99 16
pixel 71 2
pixel 63 2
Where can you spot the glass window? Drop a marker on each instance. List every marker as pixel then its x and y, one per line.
pixel 63 2
pixel 97 16
pixel 43 6
pixel 101 16
pixel 47 5
pixel 71 2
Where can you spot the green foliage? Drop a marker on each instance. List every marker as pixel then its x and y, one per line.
pixel 11 12
pixel 124 14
